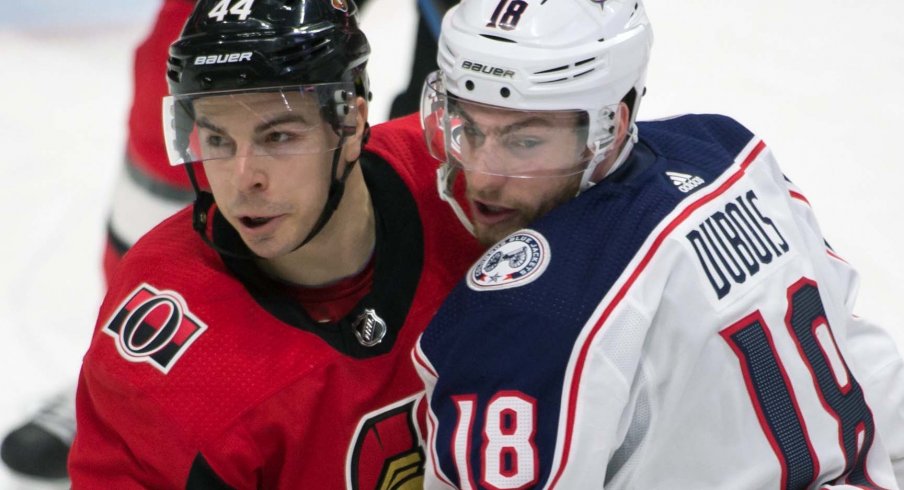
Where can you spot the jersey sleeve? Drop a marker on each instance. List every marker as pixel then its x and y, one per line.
pixel 140 422
pixel 498 412
pixel 123 448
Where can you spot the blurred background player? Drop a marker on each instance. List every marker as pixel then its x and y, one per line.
pixel 149 190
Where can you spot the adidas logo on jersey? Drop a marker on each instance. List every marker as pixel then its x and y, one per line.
pixel 685 182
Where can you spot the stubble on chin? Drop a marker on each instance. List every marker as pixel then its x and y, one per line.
pixel 260 246
pixel 489 235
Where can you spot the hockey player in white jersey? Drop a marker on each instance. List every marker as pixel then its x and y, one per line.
pixel 681 323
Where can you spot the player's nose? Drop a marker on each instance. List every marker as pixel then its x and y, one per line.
pixel 483 179
pixel 248 171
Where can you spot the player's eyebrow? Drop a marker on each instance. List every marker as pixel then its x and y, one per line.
pixel 532 121
pixel 203 122
pixel 281 119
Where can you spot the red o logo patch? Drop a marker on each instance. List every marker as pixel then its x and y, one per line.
pixel 154 326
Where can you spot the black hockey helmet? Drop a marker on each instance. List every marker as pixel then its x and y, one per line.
pixel 245 44
pixel 310 47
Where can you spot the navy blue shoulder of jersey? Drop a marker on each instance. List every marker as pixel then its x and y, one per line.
pixel 485 340
pixel 707 141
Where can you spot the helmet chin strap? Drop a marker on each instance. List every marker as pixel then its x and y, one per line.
pixel 623 154
pixel 334 195
pixel 445 179
pixel 204 200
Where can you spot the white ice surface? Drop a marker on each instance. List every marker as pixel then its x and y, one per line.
pixel 820 81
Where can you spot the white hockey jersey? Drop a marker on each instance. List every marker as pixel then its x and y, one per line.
pixel 682 325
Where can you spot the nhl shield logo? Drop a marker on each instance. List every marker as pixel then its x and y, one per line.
pixel 154 327
pixel 517 260
pixel 369 328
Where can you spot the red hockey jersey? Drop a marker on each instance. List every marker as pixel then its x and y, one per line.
pixel 196 378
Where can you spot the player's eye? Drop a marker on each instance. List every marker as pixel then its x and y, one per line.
pixel 524 143
pixel 474 135
pixel 276 137
pixel 216 145
pixel 215 141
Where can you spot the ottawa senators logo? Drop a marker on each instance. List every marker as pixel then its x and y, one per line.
pixel 386 452
pixel 154 327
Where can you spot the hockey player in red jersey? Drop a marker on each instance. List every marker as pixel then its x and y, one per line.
pixel 147 191
pixel 681 323
pixel 261 338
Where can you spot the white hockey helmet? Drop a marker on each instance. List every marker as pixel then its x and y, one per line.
pixel 582 56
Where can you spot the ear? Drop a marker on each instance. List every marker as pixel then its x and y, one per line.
pixel 355 142
pixel 624 116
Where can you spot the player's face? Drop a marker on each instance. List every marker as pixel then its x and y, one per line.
pixel 494 139
pixel 268 161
